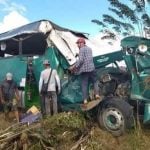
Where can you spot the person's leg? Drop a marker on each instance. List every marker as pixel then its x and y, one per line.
pixel 47 104
pixel 1 107
pixel 14 108
pixel 16 113
pixel 94 81
pixel 54 102
pixel 42 100
pixel 84 86
pixel 6 111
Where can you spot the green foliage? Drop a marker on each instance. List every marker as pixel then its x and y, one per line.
pixel 65 121
pixel 100 23
pixel 128 18
pixel 36 146
pixel 64 130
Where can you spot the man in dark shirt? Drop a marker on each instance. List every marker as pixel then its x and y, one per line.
pixel 85 67
pixel 9 96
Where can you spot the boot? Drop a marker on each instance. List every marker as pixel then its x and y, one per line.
pixel 97 97
pixel 85 101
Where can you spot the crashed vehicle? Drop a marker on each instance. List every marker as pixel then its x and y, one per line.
pixel 125 90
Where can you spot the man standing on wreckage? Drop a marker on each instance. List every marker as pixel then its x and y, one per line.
pixel 85 67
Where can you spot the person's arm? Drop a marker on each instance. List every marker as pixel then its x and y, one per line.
pixel 57 80
pixel 17 94
pixel 40 82
pixel 1 95
pixel 80 61
pixel 16 91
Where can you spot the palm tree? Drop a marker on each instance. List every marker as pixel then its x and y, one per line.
pixel 126 20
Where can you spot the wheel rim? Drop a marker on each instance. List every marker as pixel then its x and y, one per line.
pixel 113 119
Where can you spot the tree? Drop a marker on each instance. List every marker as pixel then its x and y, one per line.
pixel 126 20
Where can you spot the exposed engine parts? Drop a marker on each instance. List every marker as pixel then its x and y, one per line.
pixel 113 86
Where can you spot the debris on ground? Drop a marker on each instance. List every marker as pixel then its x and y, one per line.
pixel 68 131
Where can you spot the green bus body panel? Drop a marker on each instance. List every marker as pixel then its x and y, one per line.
pixel 56 61
pixel 147 113
pixel 16 65
pixel 103 60
pixel 134 41
pixel 139 67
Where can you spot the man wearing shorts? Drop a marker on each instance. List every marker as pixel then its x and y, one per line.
pixel 9 96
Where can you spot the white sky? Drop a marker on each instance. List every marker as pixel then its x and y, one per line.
pixel 12 15
pixel 12 20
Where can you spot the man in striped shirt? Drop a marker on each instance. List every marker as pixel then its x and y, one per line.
pixel 85 67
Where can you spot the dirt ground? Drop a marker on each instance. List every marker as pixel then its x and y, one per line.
pixel 5 123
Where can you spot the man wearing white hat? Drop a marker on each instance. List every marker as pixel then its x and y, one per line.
pixel 10 96
pixel 50 97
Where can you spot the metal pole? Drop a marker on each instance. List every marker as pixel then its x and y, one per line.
pixel 20 46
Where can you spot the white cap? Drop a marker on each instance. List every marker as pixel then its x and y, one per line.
pixel 46 62
pixel 9 76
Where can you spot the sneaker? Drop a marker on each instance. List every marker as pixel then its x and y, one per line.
pixel 85 101
pixel 97 96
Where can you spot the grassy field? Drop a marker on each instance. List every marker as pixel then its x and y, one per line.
pixel 71 131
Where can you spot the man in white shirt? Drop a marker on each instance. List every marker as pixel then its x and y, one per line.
pixel 50 98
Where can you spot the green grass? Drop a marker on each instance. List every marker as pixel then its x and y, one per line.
pixel 63 131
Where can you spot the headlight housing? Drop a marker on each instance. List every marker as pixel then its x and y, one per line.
pixel 142 48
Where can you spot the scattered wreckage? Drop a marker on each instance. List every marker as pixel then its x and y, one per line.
pixel 125 91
